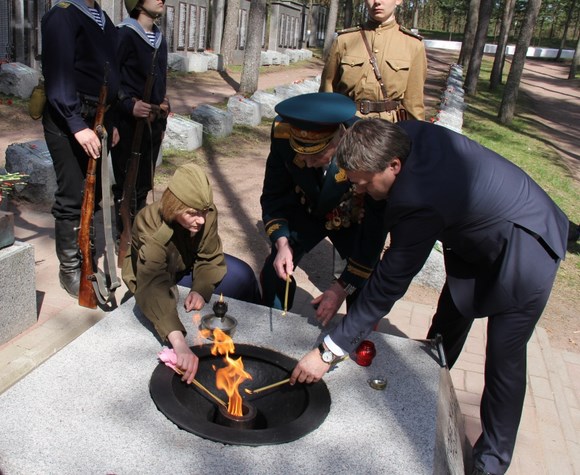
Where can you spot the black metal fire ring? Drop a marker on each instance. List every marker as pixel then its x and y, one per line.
pixel 285 414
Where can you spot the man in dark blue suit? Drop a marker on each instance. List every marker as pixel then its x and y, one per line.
pixel 503 240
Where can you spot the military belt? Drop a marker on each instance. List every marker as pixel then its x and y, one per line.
pixel 366 107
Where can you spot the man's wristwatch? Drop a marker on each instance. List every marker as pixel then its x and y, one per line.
pixel 348 288
pixel 327 356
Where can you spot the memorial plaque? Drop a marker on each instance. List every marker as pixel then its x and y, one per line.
pixel 202 28
pixel 191 43
pixel 169 26
pixel 182 24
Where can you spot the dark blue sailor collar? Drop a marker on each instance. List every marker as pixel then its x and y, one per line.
pixel 137 28
pixel 82 6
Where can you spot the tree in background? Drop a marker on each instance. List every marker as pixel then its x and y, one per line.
pixel 575 60
pixel 472 76
pixel 253 51
pixel 330 28
pixel 217 25
pixel 510 93
pixel 469 33
pixel 230 32
pixel 499 59
pixel 568 20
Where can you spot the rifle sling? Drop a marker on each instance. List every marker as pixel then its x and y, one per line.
pixel 375 66
pixel 106 284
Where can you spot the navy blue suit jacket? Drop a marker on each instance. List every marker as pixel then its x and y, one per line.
pixel 473 200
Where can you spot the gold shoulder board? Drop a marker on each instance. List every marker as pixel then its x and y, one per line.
pixel 410 33
pixel 348 30
pixel 63 4
pixel 282 130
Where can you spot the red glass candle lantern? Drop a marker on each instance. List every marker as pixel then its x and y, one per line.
pixel 365 353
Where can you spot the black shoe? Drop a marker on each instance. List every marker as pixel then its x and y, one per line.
pixel 573 232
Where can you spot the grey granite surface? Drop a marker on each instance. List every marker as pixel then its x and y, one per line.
pixel 88 409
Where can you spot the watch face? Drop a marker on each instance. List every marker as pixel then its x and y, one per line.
pixel 327 357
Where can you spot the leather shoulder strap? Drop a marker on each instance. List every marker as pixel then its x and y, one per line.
pixel 375 66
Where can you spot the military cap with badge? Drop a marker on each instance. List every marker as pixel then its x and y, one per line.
pixel 310 122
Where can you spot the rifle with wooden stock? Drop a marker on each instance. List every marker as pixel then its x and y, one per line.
pixel 87 293
pixel 132 171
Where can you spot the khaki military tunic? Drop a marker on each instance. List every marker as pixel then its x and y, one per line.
pixel 402 62
pixel 160 255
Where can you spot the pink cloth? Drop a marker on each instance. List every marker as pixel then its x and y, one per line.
pixel 168 356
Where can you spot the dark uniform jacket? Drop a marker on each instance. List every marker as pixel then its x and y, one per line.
pixel 473 200
pixel 161 254
pixel 300 204
pixel 135 54
pixel 75 54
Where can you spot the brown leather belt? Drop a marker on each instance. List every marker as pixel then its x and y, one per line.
pixel 366 107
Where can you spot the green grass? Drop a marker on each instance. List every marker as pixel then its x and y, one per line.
pixel 521 143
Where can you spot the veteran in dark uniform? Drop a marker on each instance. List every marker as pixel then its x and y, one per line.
pixel 400 59
pixel 79 44
pixel 503 240
pixel 307 197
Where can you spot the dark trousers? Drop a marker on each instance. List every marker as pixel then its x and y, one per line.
pixel 274 288
pixel 508 333
pixel 239 282
pixel 70 165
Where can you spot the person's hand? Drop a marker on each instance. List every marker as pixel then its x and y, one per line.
pixel 284 262
pixel 328 303
pixel 310 369
pixel 193 301
pixel 116 137
pixel 187 361
pixel 141 110
pixel 90 142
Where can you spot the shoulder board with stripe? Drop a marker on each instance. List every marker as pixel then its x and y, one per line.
pixel 349 30
pixel 410 33
pixel 281 130
pixel 63 4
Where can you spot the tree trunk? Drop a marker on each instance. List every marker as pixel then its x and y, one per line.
pixel 230 32
pixel 217 29
pixel 415 15
pixel 348 11
pixel 485 8
pixel 252 54
pixel 510 93
pixel 575 60
pixel 566 26
pixel 469 33
pixel 330 28
pixel 499 60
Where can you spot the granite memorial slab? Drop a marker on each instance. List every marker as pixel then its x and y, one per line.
pixel 88 409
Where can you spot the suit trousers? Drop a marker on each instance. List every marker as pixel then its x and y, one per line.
pixel 508 332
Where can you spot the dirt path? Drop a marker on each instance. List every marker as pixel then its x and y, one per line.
pixel 555 107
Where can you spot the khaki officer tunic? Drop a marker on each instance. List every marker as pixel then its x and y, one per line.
pixel 402 62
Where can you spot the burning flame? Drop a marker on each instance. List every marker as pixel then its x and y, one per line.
pixel 230 377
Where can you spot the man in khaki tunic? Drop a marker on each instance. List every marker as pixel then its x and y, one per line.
pixel 400 61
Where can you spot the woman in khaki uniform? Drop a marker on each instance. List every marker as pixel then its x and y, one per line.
pixel 400 59
pixel 172 238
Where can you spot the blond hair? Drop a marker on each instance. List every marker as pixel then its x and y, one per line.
pixel 171 206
